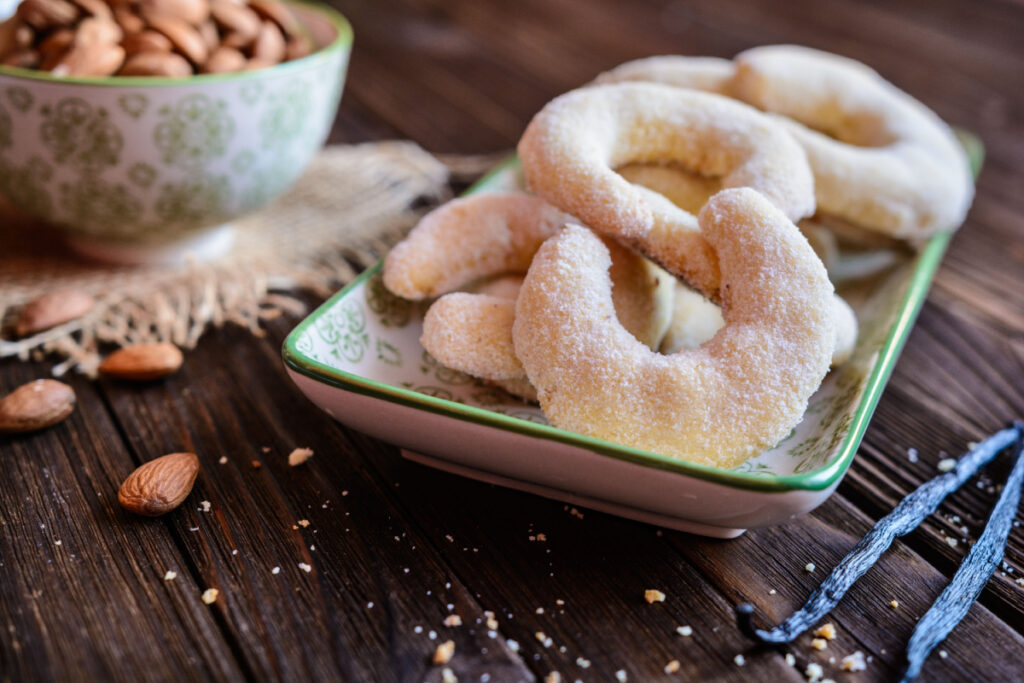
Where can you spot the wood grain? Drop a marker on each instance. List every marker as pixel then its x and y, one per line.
pixel 419 545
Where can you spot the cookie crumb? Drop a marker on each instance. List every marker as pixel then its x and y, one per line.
pixel 621 676
pixel 170 575
pixel 305 567
pixel 303 523
pixel 223 460
pixel 685 631
pixel 674 666
pixel 205 505
pixel 553 677
pixel 512 645
pixel 826 631
pixel 299 456
pixel 814 672
pixel 809 567
pixel 210 595
pixel 740 660
pixel 947 465
pixel 943 654
pixel 790 659
pixel 444 652
pixel 275 570
pixel 453 620
pixel 256 464
pixel 854 662
pixel 447 676
pixel 583 662
pixel 894 604
pixel 819 643
pixel 653 595
pixel 543 638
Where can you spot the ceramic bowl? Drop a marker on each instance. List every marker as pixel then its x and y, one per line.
pixel 141 169
pixel 358 357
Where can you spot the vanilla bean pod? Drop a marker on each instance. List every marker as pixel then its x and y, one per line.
pixel 969 580
pixel 906 517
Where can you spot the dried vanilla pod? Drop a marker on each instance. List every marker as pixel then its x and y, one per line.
pixel 906 517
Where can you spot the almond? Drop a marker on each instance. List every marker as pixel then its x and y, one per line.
pixel 146 41
pixel 45 14
pixel 128 20
pixel 186 38
pixel 150 63
pixel 98 31
pixel 277 13
pixel 224 60
pixel 236 19
pixel 269 45
pixel 36 405
pixel 194 12
pixel 96 8
pixel 97 59
pixel 160 485
pixel 143 361
pixel 51 310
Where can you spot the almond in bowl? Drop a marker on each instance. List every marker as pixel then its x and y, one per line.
pixel 142 127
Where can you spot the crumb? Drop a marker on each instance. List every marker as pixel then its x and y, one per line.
pixel 559 602
pixel 576 513
pixel 653 595
pixel 369 605
pixel 813 672
pixel 674 666
pixel 205 505
pixel 912 454
pixel 854 662
pixel 223 460
pixel 453 620
pixel 553 677
pixel 947 465
pixel 819 643
pixel 299 456
pixel 444 652
pixel 790 659
pixel 685 631
pixel 740 660
pixel 894 604
pixel 275 570
pixel 583 663
pixel 512 645
pixel 539 610
pixel 826 631
pixel 952 542
pixel 170 575
pixel 303 523
pixel 772 592
pixel 265 449
pixel 543 638
pixel 58 542
pixel 256 464
pixel 943 654
pixel 447 676
pixel 542 537
pixel 491 622
pixel 809 567
pixel 305 567
pixel 621 676
pixel 209 595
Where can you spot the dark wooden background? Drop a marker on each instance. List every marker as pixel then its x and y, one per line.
pixel 394 547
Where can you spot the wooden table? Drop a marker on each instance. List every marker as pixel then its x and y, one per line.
pixel 395 548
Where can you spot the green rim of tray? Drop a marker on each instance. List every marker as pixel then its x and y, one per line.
pixel 816 480
pixel 341 42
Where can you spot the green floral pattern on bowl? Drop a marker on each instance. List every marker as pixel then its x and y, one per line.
pixel 135 160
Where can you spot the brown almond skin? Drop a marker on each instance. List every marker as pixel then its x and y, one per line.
pixel 165 64
pixel 236 19
pixel 277 13
pixel 194 12
pixel 269 45
pixel 143 361
pixel 56 43
pixel 36 405
pixel 96 8
pixel 45 14
pixel 98 31
pixel 159 485
pixel 128 20
pixel 90 60
pixel 224 60
pixel 145 41
pixel 183 36
pixel 23 59
pixel 51 310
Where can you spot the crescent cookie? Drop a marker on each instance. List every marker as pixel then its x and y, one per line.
pixel 571 147
pixel 719 404
pixel 881 159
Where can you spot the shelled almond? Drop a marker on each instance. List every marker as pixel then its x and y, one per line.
pixel 168 38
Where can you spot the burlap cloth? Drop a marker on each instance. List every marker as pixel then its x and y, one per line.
pixel 351 205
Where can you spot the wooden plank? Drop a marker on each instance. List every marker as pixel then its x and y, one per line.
pixel 83 595
pixel 371 578
pixel 578 578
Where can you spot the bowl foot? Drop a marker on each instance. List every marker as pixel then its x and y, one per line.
pixel 205 245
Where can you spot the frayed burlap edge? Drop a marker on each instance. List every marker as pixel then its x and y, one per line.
pixel 352 204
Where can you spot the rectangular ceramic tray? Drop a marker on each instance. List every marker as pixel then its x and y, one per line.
pixel 358 357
